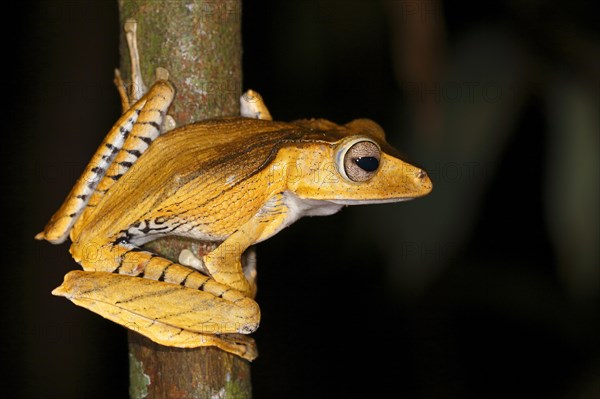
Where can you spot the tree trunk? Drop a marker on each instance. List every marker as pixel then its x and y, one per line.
pixel 199 43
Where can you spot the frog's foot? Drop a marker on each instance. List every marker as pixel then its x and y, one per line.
pixel 187 258
pixel 168 122
pixel 240 344
pixel 138 88
pixel 253 106
pixel 168 314
pixel 249 268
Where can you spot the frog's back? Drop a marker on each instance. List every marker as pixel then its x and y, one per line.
pixel 191 164
pixel 193 174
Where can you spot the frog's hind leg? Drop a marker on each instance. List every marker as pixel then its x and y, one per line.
pixel 145 130
pixel 168 314
pixel 122 146
pixel 165 301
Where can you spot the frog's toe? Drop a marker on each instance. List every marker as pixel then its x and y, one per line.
pixel 187 258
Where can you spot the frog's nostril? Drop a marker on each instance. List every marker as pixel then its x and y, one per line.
pixel 421 174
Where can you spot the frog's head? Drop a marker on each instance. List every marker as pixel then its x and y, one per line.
pixel 353 164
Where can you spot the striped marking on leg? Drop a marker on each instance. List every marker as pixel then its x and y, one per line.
pixel 145 130
pixel 133 261
pixel 92 180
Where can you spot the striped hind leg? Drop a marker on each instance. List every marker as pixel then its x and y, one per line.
pixel 169 303
pixel 169 314
pixel 124 143
pixel 145 130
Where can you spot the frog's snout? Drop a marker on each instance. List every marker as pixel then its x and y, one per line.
pixel 423 181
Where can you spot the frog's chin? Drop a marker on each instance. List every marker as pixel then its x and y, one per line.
pixel 327 206
pixel 368 201
pixel 300 207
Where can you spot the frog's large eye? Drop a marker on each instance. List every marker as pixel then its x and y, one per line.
pixel 359 159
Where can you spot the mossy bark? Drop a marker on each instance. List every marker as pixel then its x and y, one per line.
pixel 199 43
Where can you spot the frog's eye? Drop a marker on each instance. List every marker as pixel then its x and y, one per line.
pixel 359 159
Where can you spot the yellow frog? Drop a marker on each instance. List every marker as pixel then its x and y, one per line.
pixel 236 181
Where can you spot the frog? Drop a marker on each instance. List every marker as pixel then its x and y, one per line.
pixel 234 181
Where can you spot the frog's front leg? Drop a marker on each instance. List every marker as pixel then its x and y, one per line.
pixel 253 106
pixel 165 301
pixel 188 258
pixel 224 263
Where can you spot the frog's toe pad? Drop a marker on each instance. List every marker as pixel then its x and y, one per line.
pixel 187 258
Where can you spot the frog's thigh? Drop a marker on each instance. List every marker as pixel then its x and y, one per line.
pixel 167 313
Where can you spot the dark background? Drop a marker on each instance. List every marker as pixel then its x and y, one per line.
pixel 487 288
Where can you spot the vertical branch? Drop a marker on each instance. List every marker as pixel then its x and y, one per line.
pixel 199 43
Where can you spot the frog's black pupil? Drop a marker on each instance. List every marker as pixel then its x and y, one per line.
pixel 368 164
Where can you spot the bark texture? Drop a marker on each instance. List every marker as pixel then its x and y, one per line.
pixel 199 43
